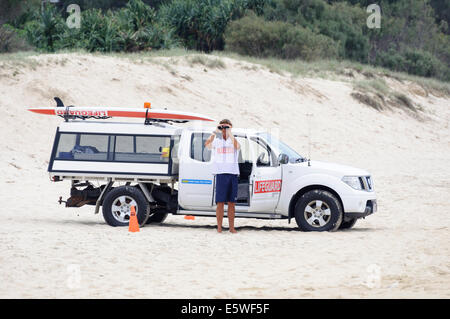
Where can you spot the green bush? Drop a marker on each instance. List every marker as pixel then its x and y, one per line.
pixel 200 24
pixel 46 31
pixel 339 21
pixel 421 63
pixel 140 29
pixel 105 5
pixel 98 32
pixel 392 60
pixel 346 24
pixel 254 36
pixel 10 40
pixel 132 28
pixel 410 40
pixel 305 44
pixel 414 62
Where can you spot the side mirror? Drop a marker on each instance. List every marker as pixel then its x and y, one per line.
pixel 283 159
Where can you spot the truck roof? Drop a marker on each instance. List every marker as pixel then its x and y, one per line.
pixel 159 128
pixel 119 127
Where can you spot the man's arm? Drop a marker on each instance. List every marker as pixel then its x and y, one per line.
pixel 235 142
pixel 208 143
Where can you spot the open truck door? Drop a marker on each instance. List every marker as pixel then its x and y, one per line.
pixel 196 180
pixel 265 179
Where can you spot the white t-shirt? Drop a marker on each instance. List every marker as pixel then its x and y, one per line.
pixel 224 156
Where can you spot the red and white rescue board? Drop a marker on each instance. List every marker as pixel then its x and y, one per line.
pixel 102 112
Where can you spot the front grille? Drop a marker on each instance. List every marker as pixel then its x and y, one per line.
pixel 366 183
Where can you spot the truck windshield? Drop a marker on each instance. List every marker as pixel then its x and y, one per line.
pixel 281 147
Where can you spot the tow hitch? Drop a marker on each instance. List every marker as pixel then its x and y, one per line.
pixel 60 201
pixel 80 197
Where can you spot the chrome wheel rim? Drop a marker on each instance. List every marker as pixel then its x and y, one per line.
pixel 121 208
pixel 317 213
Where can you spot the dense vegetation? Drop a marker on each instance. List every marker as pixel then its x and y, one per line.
pixel 413 38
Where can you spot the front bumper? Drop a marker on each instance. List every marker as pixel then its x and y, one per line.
pixel 371 207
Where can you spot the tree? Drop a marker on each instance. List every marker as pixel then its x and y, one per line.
pixel 442 10
pixel 13 9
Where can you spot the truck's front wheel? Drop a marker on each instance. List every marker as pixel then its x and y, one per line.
pixel 117 205
pixel 318 210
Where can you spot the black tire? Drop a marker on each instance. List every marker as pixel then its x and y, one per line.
pixel 333 221
pixel 157 215
pixel 348 224
pixel 142 206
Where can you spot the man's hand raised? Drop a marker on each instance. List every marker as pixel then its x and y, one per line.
pixel 211 138
pixel 228 132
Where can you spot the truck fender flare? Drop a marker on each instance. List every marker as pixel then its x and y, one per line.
pixel 306 187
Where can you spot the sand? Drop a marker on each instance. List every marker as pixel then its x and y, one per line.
pixel 48 251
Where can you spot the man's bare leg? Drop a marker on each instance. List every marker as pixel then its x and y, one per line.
pixel 231 210
pixel 219 215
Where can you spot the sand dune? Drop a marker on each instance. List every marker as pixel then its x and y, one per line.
pixel 49 251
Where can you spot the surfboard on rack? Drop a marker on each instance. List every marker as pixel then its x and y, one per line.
pixel 100 112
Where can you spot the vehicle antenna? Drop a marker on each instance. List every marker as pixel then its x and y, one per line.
pixel 309 115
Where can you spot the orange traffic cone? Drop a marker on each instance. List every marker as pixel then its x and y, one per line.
pixel 189 217
pixel 133 226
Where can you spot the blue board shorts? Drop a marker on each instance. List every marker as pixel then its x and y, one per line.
pixel 226 188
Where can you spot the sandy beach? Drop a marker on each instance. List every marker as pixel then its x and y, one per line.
pixel 49 251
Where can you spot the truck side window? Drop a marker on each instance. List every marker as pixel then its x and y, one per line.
pixel 152 144
pixel 264 155
pixel 148 149
pixel 91 147
pixel 75 146
pixel 66 143
pixel 124 144
pixel 198 150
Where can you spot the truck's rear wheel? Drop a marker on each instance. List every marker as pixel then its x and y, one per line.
pixel 318 210
pixel 117 205
pixel 157 215
pixel 347 224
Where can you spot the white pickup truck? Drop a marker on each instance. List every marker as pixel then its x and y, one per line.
pixel 163 168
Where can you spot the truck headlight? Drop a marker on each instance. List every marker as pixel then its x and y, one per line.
pixel 353 181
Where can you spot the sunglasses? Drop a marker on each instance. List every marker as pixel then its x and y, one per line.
pixel 221 127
